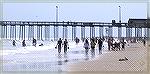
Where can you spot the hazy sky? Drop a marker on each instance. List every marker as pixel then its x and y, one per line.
pixel 99 12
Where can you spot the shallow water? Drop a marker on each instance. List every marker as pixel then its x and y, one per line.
pixel 43 58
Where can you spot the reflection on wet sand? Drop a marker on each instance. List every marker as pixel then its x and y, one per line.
pixel 86 54
pixel 59 59
pixel 58 65
pixel 66 58
pixel 92 53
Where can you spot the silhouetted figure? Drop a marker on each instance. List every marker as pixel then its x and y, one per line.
pixel 93 44
pixel 14 43
pixel 77 40
pixel 59 44
pixel 34 42
pixel 86 46
pixel 123 45
pixel 93 47
pixel 123 40
pixel 100 43
pixel 144 42
pixel 109 44
pixel 23 43
pixel 65 46
pixel 134 40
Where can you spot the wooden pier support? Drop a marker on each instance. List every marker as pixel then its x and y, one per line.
pixel 30 32
pixel 73 32
pixel 47 32
pixel 15 29
pixel 22 32
pixel 101 30
pixel 82 32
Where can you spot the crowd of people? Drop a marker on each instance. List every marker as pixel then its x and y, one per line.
pixel 92 45
pixel 88 44
pixel 116 45
pixel 34 42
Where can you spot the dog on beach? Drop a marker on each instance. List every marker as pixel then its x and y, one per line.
pixel 123 59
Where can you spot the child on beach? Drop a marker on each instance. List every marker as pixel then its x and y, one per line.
pixel 34 42
pixel 14 43
pixel 23 43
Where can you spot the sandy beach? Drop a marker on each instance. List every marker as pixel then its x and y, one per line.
pixel 137 61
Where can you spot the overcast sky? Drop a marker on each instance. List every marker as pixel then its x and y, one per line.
pixel 99 12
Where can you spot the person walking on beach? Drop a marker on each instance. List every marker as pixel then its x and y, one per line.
pixel 59 44
pixel 86 46
pixel 109 44
pixel 144 42
pixel 65 46
pixel 123 44
pixel 93 47
pixel 77 40
pixel 34 42
pixel 23 43
pixel 14 43
pixel 100 43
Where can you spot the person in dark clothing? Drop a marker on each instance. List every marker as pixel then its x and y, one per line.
pixel 123 45
pixel 144 42
pixel 93 44
pixel 86 46
pixel 34 42
pixel 77 40
pixel 23 43
pixel 109 44
pixel 14 43
pixel 65 46
pixel 59 44
pixel 100 43
pixel 93 47
pixel 96 40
